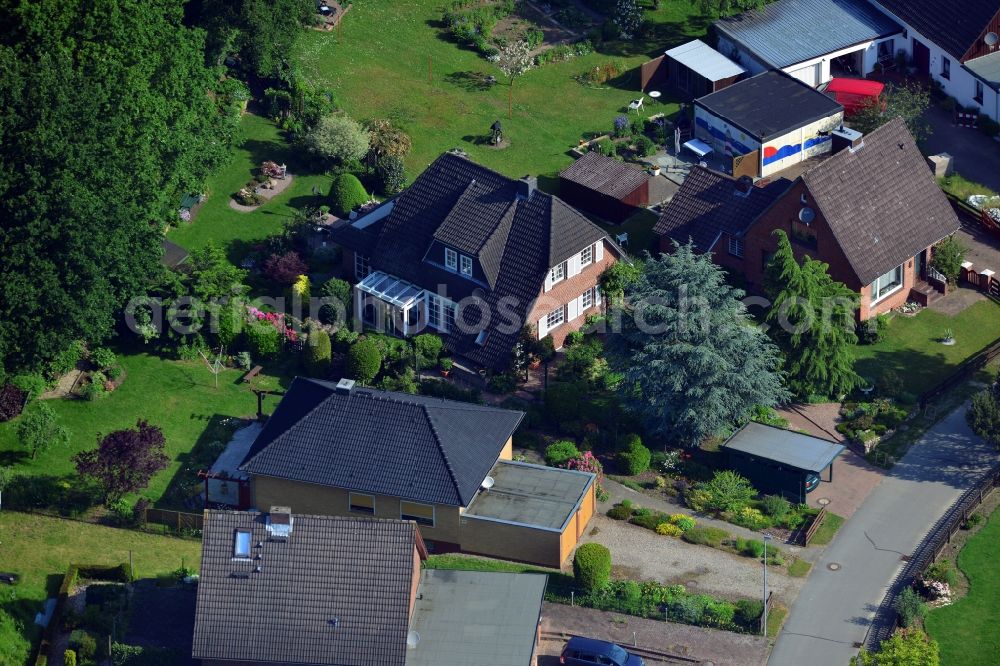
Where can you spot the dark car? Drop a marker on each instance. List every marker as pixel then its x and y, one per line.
pixel 588 651
pixel 812 482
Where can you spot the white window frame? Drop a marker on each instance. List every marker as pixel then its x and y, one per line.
pixel 362 509
pixel 736 246
pixel 587 300
pixel 977 91
pixel 433 310
pixel 945 68
pixel 466 265
pixel 449 311
pixel 558 273
pixel 586 256
pixel 559 314
pixel 450 259
pixel 362 266
pixel 417 519
pixel 238 554
pixel 876 296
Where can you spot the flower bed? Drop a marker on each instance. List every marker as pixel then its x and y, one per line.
pixel 869 423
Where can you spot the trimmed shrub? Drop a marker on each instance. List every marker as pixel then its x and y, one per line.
pixel 558 453
pixel 750 547
pixel 69 658
pixel 943 572
pixel 634 458
pixel 346 194
pixel 748 612
pixel 644 146
pixel 620 511
pixel 263 338
pixel 364 360
pixel 428 349
pixel 669 529
pixel 391 174
pixel 685 609
pixel 103 358
pixel 318 353
pixel 683 521
pixel 751 518
pixel 775 506
pixel 706 536
pixel 592 566
pixel 649 519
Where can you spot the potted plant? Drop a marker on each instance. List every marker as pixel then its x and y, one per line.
pixel 445 364
pixel 948 338
pixel 535 362
pixel 655 170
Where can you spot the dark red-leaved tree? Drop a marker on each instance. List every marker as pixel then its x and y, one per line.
pixel 11 401
pixel 285 268
pixel 125 460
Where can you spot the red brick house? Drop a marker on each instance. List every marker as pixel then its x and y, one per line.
pixel 475 256
pixel 872 211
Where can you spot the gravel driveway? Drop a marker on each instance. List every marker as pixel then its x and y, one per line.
pixel 641 554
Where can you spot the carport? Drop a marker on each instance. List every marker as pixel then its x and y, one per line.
pixel 778 461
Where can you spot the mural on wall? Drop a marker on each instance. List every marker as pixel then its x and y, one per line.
pixel 732 145
pixel 773 154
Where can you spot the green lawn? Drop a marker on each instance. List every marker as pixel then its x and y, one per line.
pixel 379 67
pixel 966 629
pixel 824 535
pixel 180 397
pixel 235 230
pixel 912 350
pixel 40 549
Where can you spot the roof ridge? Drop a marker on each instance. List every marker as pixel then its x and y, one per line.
pixel 444 455
pixel 292 426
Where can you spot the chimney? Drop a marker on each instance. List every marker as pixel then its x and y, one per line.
pixel 743 186
pixel 526 187
pixel 279 523
pixel 345 387
pixel 845 137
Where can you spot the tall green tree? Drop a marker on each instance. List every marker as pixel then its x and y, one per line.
pixel 39 429
pixel 694 364
pixel 262 32
pixel 908 101
pixel 729 7
pixel 106 118
pixel 812 320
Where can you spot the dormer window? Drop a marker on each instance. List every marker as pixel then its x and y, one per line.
pixel 587 256
pixel 558 273
pixel 466 265
pixel 451 259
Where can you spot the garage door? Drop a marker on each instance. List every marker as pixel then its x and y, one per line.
pixel 809 75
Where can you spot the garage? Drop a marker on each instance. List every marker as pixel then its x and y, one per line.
pixel 781 462
pixel 810 75
pixel 781 118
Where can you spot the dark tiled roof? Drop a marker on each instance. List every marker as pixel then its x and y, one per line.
pixel 415 447
pixel 353 570
pixel 343 232
pixel 787 32
pixel 707 205
pixel 881 201
pixel 516 239
pixel 605 175
pixel 954 26
pixel 769 104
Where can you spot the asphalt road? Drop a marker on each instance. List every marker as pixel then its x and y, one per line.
pixel 834 609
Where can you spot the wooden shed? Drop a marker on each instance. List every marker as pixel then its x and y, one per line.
pixel 605 187
pixel 696 69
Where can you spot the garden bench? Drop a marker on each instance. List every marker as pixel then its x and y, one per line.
pixel 252 373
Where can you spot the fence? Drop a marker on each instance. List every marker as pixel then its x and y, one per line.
pixel 174 519
pixel 763 616
pixel 927 551
pixel 974 364
pixel 817 521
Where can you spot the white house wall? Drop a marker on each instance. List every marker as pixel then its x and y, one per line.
pixel 800 144
pixel 740 54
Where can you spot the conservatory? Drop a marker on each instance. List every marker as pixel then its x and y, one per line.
pixel 389 304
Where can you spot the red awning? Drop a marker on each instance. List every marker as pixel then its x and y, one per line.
pixel 853 94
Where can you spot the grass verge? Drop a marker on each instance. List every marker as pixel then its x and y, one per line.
pixel 775 619
pixel 824 535
pixel 799 568
pixel 965 630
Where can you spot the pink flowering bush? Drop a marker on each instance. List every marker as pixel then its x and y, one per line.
pixel 586 462
pixel 277 320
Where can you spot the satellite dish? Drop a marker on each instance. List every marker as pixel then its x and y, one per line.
pixel 991 39
pixel 412 639
pixel 488 483
pixel 807 215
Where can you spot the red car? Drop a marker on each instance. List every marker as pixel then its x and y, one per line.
pixel 854 94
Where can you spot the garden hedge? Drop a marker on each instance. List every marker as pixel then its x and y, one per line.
pixel 318 352
pixel 557 453
pixel 592 566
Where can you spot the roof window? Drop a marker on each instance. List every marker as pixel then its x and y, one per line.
pixel 241 544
